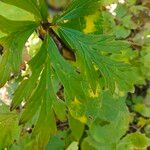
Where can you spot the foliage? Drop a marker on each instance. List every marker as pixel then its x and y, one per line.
pixel 72 93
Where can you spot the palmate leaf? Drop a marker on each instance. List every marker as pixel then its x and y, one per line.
pixel 107 119
pixel 78 9
pixel 89 50
pixel 38 9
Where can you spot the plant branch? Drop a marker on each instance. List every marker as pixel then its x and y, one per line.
pixel 65 50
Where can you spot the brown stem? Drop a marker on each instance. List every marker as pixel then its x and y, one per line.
pixel 65 50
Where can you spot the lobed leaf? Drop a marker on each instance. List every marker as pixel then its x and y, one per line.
pixel 89 49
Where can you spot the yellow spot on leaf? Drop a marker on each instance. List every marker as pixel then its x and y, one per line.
pixel 142 122
pixel 90 26
pixel 65 21
pixel 76 101
pixel 96 94
pixel 83 119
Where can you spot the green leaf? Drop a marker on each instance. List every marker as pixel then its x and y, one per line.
pixel 90 50
pixel 34 102
pixel 101 43
pixel 90 144
pixel 112 122
pixel 43 9
pixel 65 72
pixel 16 26
pixel 128 22
pixel 55 142
pixel 8 127
pixel 73 146
pixel 27 86
pixel 78 104
pixel 15 13
pixel 13 45
pixel 38 96
pixel 28 5
pixel 78 9
pixel 142 108
pixel 39 101
pixel 59 107
pixel 44 128
pixel 135 140
pixel 76 127
pixel 46 124
pixel 121 33
pixel 121 10
pixel 117 75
